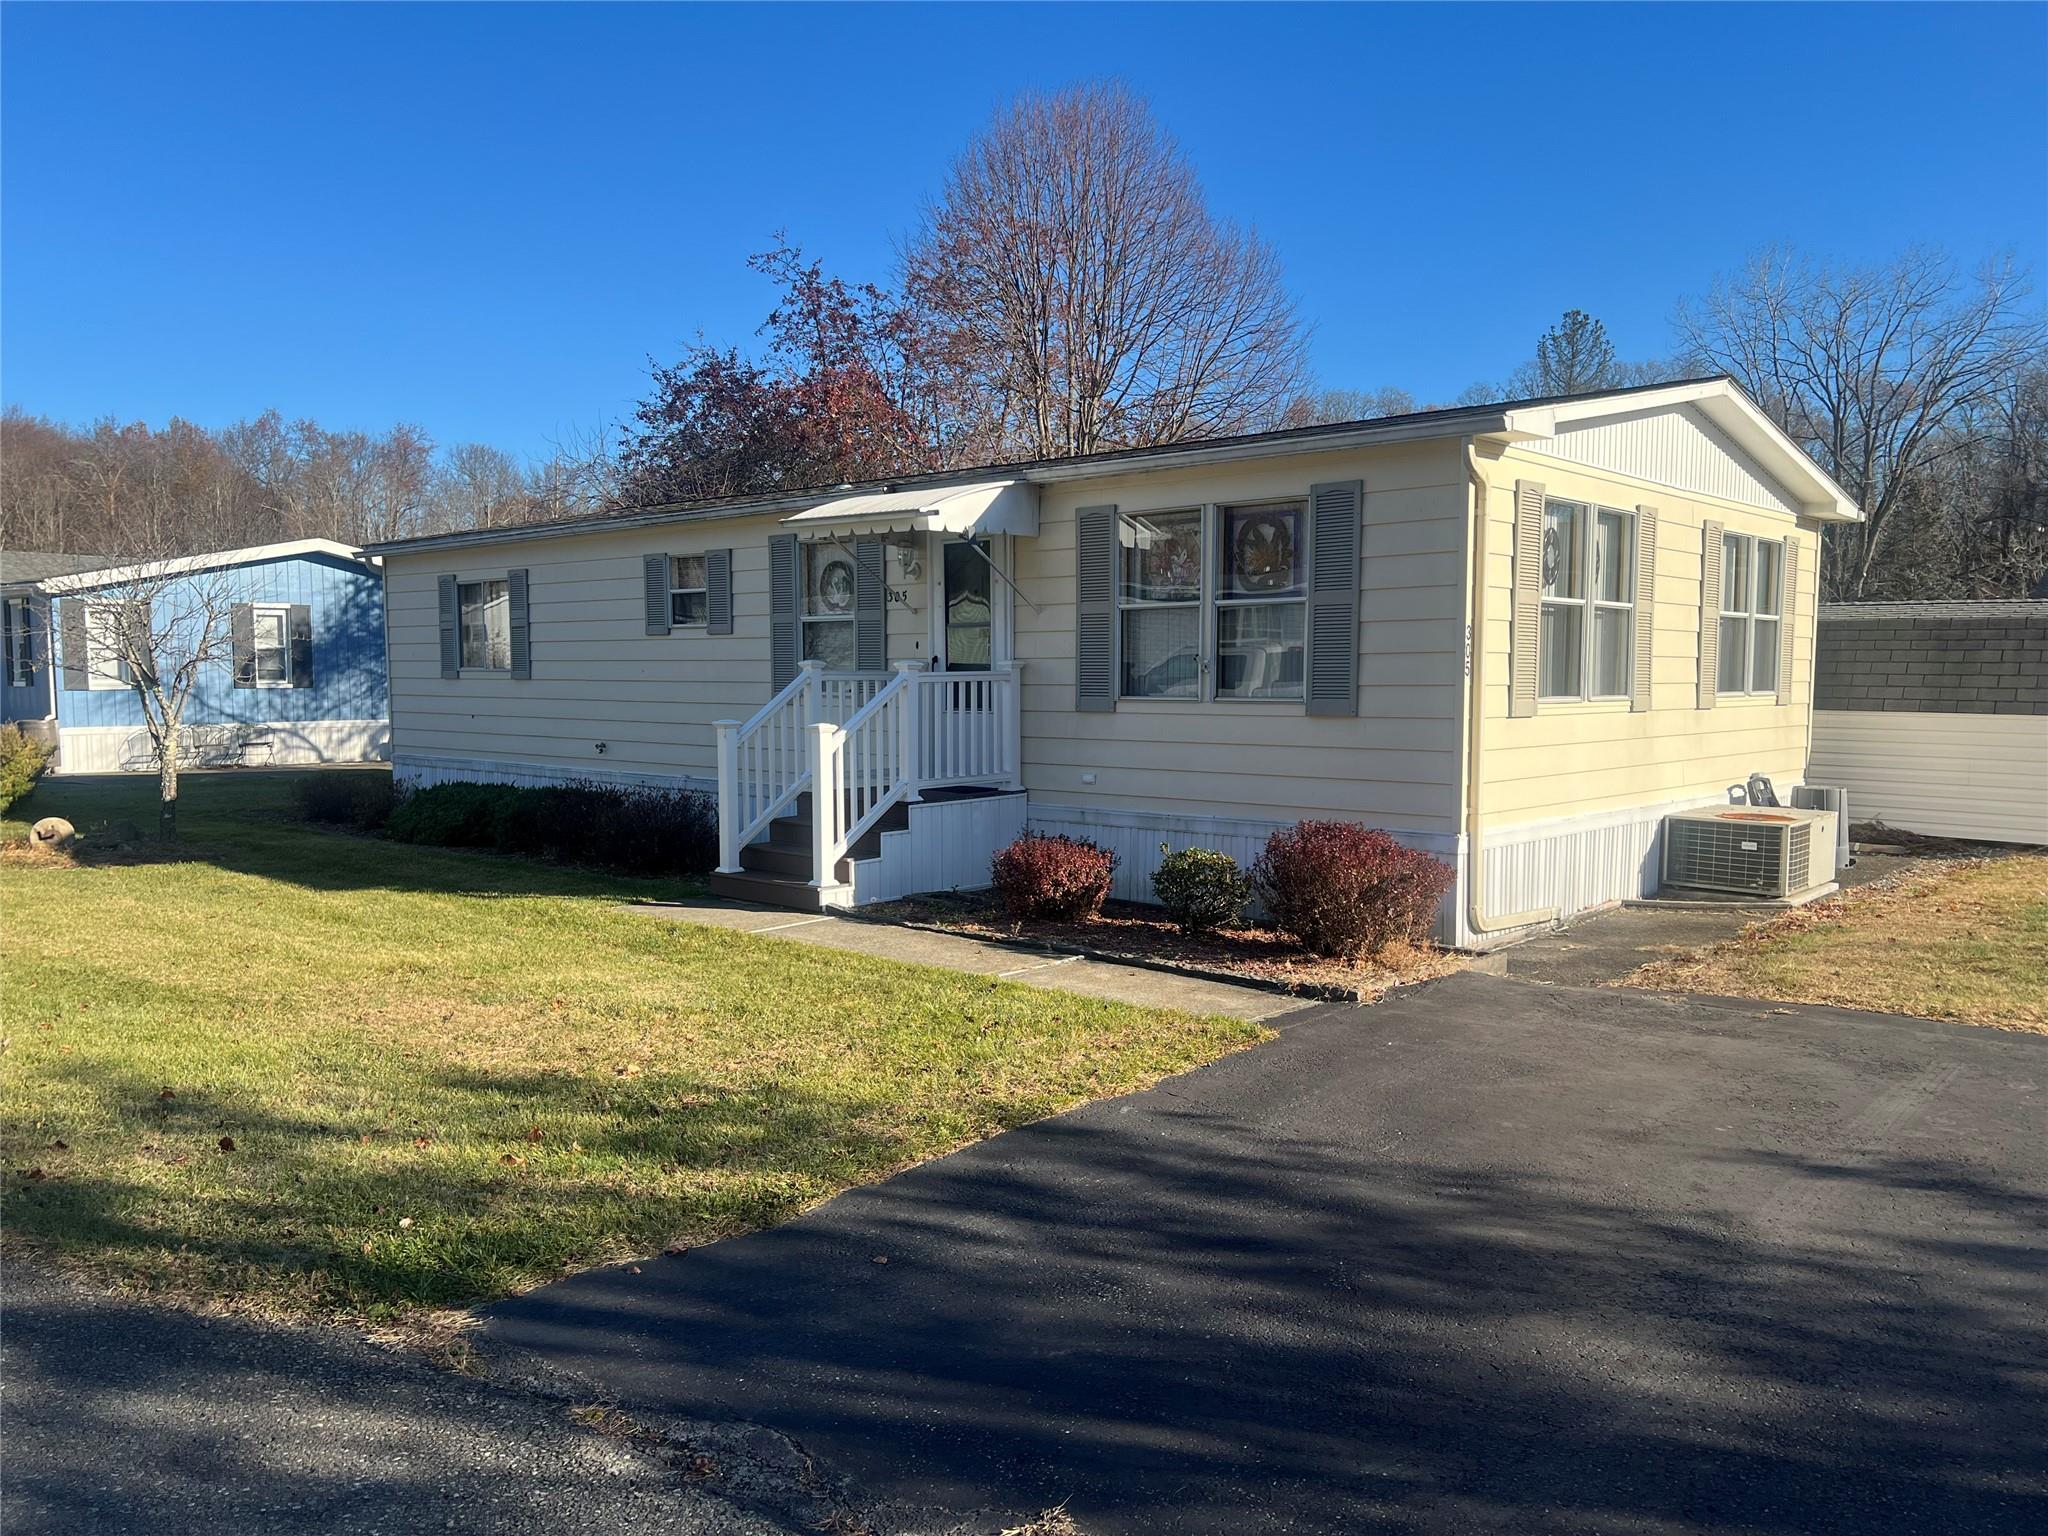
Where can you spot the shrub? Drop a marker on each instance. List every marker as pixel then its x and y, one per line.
pixel 635 831
pixel 1057 877
pixel 347 799
pixel 1201 889
pixel 1340 889
pixel 22 761
pixel 458 815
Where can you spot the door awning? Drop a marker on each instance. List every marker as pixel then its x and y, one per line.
pixel 987 507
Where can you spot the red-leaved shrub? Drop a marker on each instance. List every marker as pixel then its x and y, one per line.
pixel 1058 877
pixel 1340 889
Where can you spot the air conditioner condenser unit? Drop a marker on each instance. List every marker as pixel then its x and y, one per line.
pixel 1764 851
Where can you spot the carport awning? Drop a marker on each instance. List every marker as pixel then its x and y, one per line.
pixel 987 507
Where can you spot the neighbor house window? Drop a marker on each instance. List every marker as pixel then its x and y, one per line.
pixel 1587 629
pixel 1261 602
pixel 485 611
pixel 104 667
pixel 1159 592
pixel 689 592
pixel 21 642
pixel 271 647
pixel 1752 608
pixel 828 606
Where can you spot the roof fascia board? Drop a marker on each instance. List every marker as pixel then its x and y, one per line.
pixel 193 565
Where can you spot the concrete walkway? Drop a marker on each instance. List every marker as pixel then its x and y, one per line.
pixel 1029 964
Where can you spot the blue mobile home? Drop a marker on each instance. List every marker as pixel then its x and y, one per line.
pixel 300 676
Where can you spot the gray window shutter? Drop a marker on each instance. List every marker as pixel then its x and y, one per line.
pixel 654 577
pixel 519 632
pixel 1646 608
pixel 1095 556
pixel 71 624
pixel 783 644
pixel 1788 610
pixel 870 606
pixel 1710 613
pixel 451 636
pixel 1525 629
pixel 7 616
pixel 242 637
pixel 718 594
pixel 31 660
pixel 301 630
pixel 138 621
pixel 1334 513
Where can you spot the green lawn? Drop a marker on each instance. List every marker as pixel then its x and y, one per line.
pixel 446 1076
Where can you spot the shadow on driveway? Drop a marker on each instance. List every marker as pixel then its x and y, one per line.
pixel 1485 1257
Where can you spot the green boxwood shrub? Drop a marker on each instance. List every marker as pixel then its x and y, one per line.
pixel 22 761
pixel 1201 889
pixel 362 800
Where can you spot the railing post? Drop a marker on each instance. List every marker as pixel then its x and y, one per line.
pixel 729 812
pixel 814 687
pixel 1013 725
pixel 910 740
pixel 827 804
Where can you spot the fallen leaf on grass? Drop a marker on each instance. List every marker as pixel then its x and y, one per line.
pixel 227 1143
pixel 534 1134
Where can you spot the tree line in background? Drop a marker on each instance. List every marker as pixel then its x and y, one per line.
pixel 1067 291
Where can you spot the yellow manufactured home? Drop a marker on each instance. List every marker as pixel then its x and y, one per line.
pixel 1515 635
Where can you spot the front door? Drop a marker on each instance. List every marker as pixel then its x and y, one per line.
pixel 967 607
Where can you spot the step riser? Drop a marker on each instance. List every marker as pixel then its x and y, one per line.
pixel 769 859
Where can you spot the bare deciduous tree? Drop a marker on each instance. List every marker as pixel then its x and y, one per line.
pixel 158 625
pixel 1868 368
pixel 1333 405
pixel 1071 270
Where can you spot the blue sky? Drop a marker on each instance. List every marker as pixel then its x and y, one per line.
pixel 483 218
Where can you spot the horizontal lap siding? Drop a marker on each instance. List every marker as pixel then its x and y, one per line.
pixel 1576 758
pixel 598 676
pixel 1394 765
pixel 1945 775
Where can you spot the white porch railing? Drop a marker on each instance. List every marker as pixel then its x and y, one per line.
pixel 861 742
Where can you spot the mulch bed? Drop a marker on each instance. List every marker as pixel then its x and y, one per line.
pixel 1140 935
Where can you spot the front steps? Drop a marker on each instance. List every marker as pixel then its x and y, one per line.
pixel 776 871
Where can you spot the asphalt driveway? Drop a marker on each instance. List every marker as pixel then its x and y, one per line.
pixel 1488 1257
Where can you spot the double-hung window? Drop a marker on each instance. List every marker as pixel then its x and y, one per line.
pixel 484 610
pixel 828 606
pixel 1586 639
pixel 21 642
pixel 271 649
pixel 1212 602
pixel 104 665
pixel 1752 609
pixel 1159 593
pixel 1261 601
pixel 689 593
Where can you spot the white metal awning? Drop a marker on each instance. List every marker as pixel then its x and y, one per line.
pixel 987 507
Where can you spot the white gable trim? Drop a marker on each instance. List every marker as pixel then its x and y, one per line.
pixel 192 565
pixel 1678 446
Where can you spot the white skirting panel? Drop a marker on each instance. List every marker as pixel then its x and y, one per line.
pixel 946 847
pixel 415 770
pixel 260 744
pixel 1945 775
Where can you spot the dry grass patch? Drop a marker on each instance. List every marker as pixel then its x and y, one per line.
pixel 312 1074
pixel 1964 940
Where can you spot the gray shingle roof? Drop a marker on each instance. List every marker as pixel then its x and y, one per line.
pixel 1956 608
pixel 18 565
